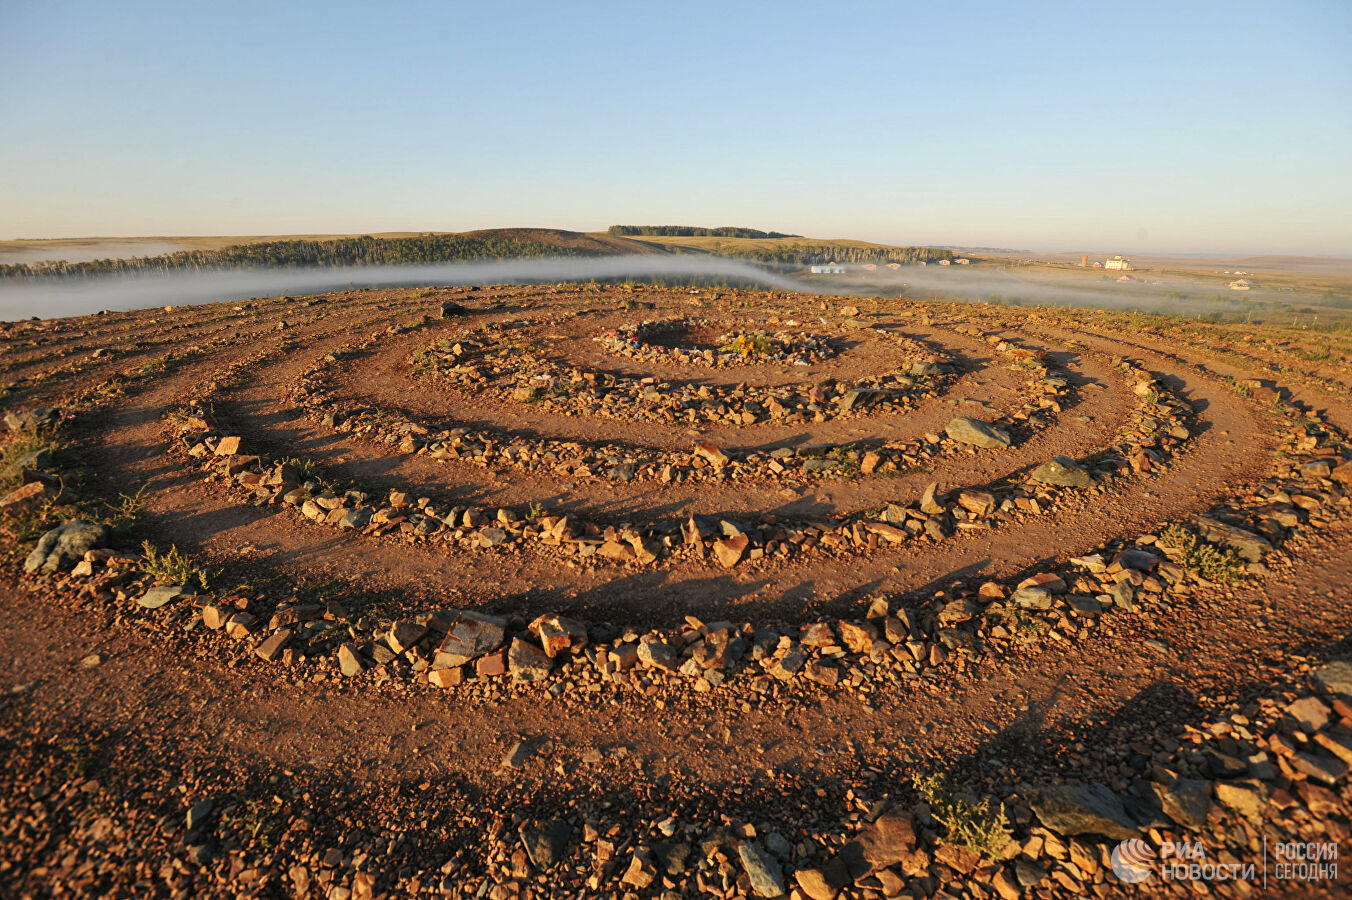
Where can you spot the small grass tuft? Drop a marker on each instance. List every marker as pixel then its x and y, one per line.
pixel 123 515
pixel 173 567
pixel 81 758
pixel 260 818
pixel 24 444
pixel 748 345
pixel 1207 560
pixel 982 828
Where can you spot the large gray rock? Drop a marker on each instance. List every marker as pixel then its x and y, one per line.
pixel 1335 679
pixel 470 636
pixel 31 419
pixel 355 518
pixel 1063 472
pixel 1245 543
pixel 859 398
pixel 1071 809
pixel 34 461
pixel 767 878
pixel 888 840
pixel 64 546
pixel 546 843
pixel 528 662
pixel 977 433
pixel 1187 801
pixel 159 596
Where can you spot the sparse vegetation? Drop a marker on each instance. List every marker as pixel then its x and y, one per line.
pixel 124 513
pixel 305 469
pixel 258 817
pixel 1207 560
pixel 173 567
pixel 981 827
pixel 24 449
pixel 748 345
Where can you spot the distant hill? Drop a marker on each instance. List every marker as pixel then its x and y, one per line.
pixel 725 231
pixel 403 249
pixel 799 251
pixel 491 244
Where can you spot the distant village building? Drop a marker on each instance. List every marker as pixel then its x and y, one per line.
pixel 1240 285
pixel 895 266
pixel 1125 278
pixel 1117 262
pixel 830 268
pixel 944 262
pixel 962 262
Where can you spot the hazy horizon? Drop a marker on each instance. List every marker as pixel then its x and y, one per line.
pixel 167 247
pixel 1216 129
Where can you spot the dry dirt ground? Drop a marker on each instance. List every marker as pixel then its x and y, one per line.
pixel 837 651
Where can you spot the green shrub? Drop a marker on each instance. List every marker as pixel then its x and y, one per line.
pixel 982 828
pixel 173 567
pixel 1207 560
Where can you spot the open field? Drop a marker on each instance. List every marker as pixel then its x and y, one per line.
pixel 583 590
pixel 717 244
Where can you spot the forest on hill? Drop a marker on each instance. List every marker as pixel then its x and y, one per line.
pixel 496 244
pixel 815 254
pixel 726 231
pixel 359 251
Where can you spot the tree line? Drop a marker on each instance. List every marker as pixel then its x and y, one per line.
pixel 428 249
pixel 815 254
pixel 359 251
pixel 727 231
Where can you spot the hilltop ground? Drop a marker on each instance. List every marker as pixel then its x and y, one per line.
pixel 593 591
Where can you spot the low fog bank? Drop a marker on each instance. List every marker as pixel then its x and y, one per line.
pixel 75 297
pixel 51 298
pixel 1063 288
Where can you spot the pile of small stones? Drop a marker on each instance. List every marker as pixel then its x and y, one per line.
pixel 1047 394
pixel 454 647
pixel 783 347
pixel 484 361
pixel 726 541
pixel 1160 428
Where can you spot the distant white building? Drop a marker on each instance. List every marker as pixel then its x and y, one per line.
pixel 962 262
pixel 1117 262
pixel 1240 285
pixel 944 262
pixel 828 269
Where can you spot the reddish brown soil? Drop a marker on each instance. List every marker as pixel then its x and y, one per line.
pixel 174 725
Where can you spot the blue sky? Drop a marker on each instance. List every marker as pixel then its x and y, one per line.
pixel 1181 127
